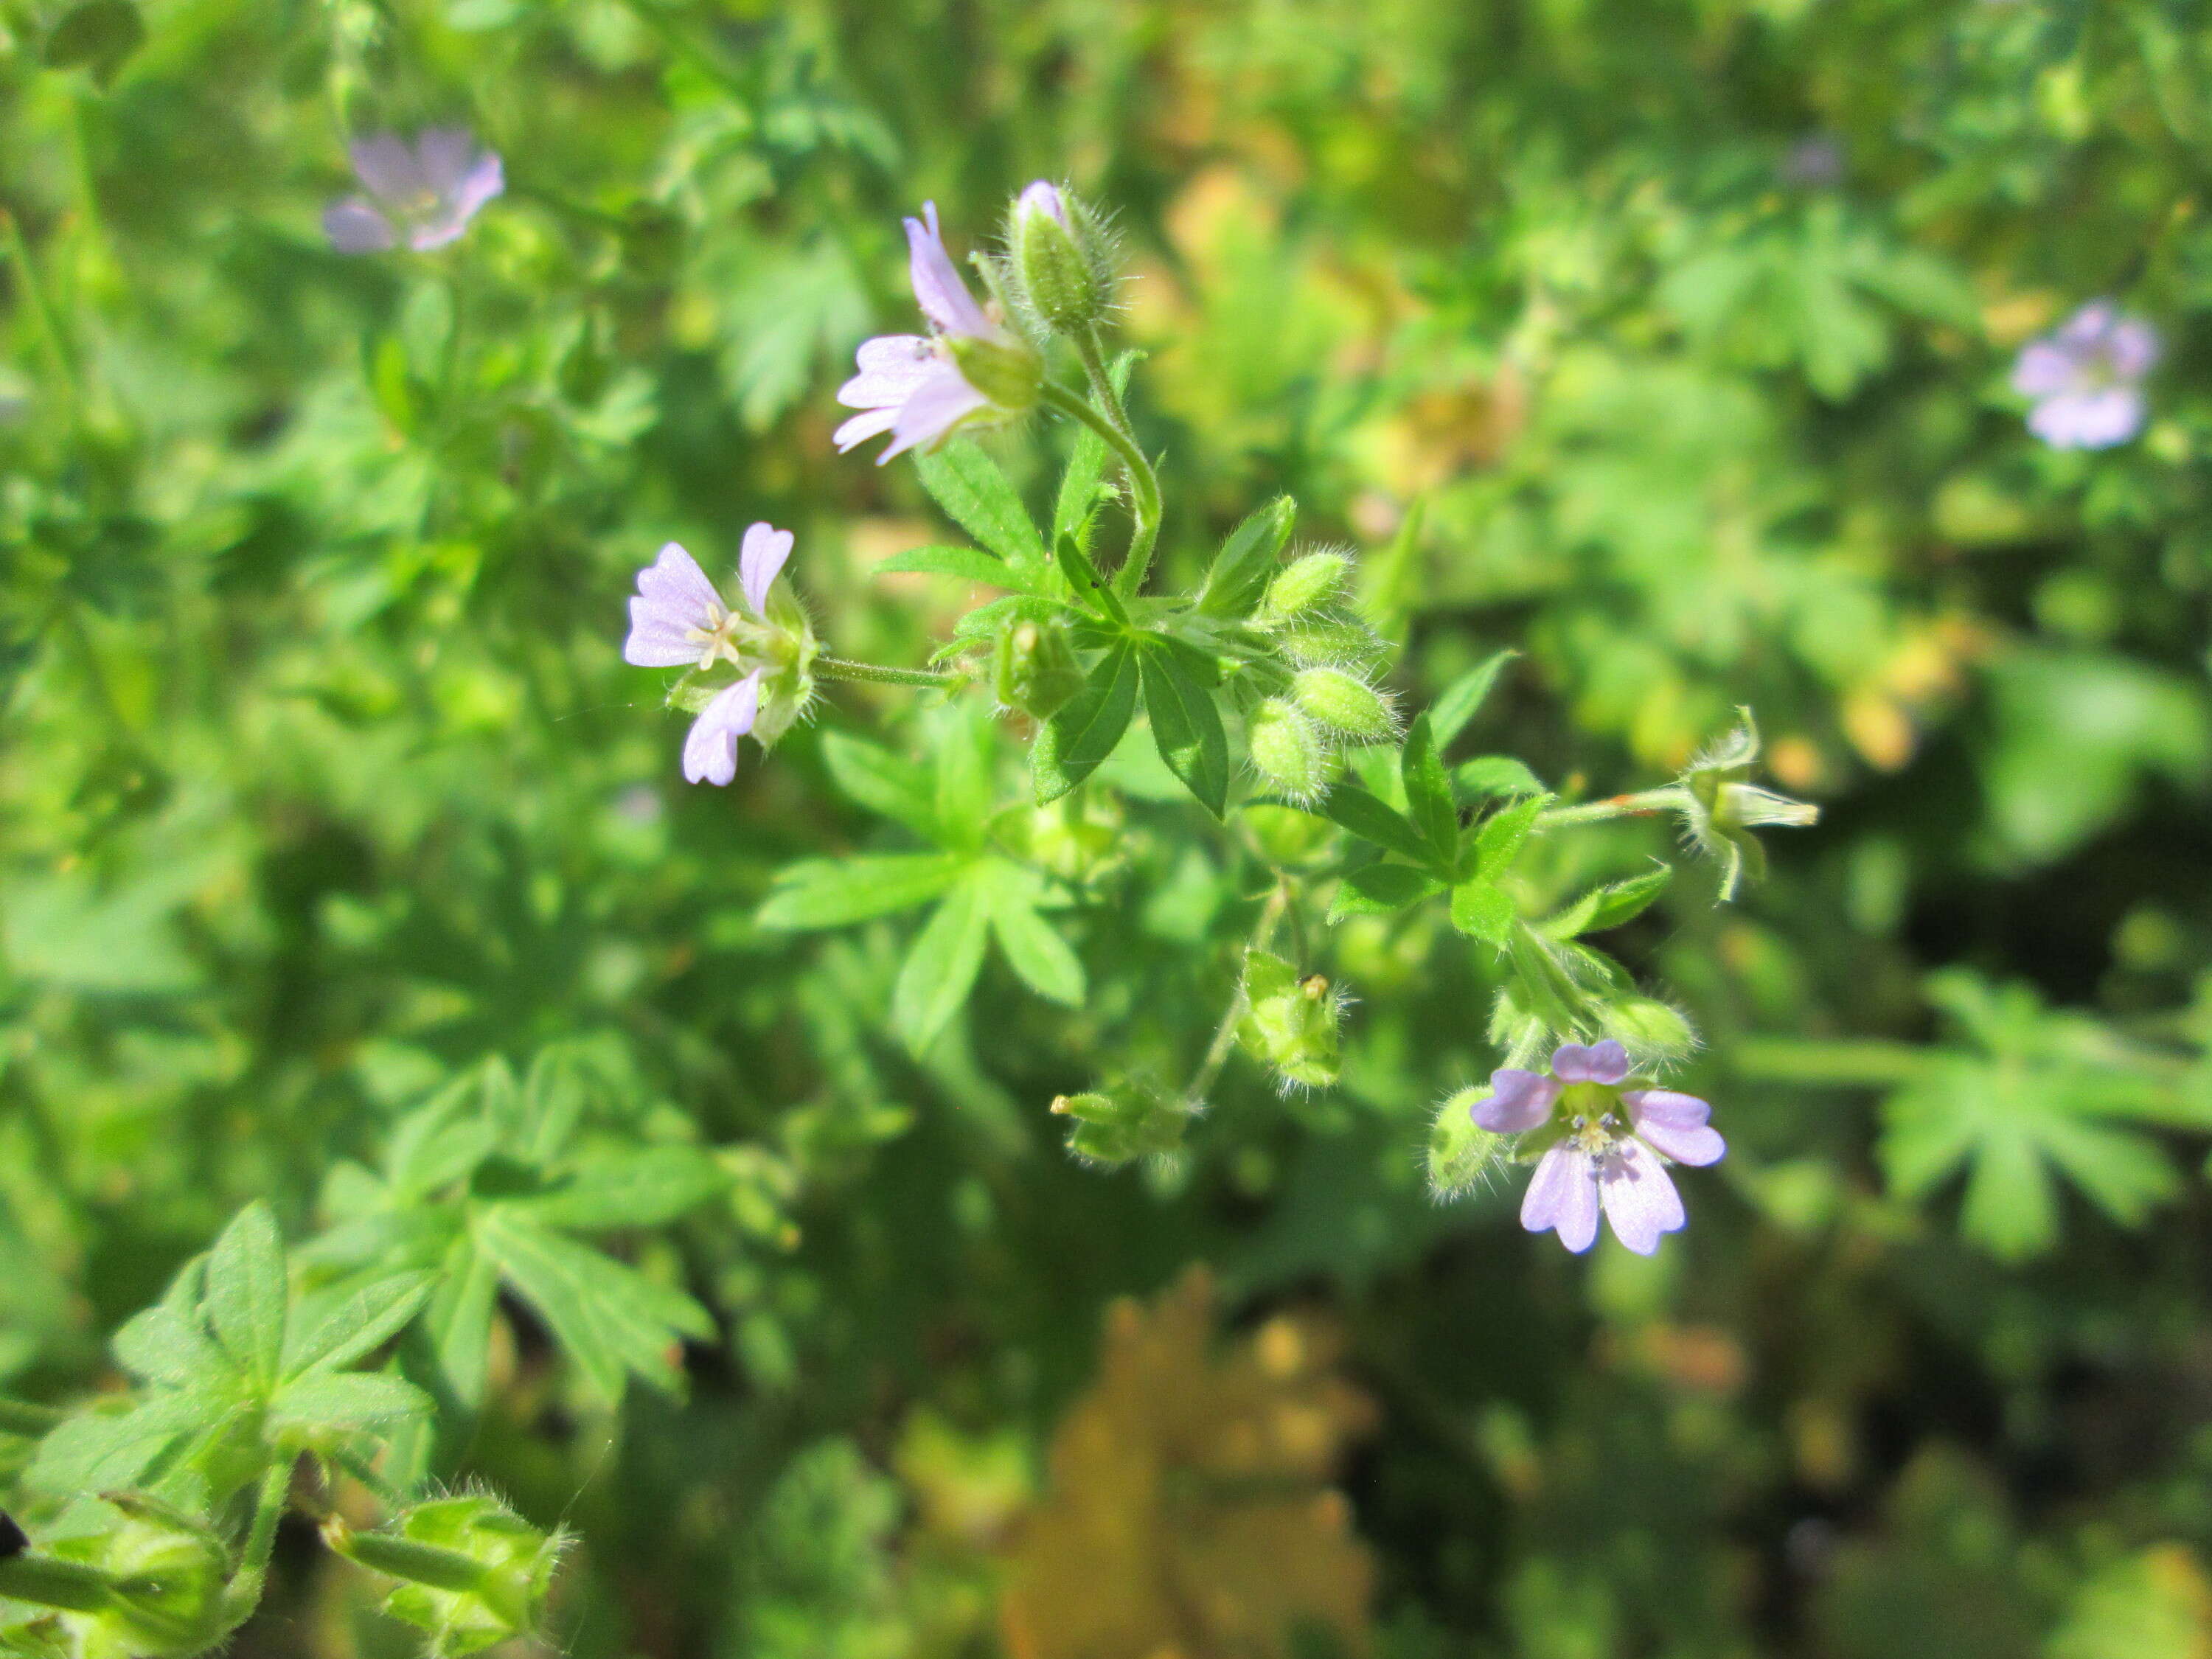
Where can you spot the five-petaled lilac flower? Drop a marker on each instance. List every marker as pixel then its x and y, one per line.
pixel 426 191
pixel 1615 1150
pixel 677 619
pixel 2087 379
pixel 912 386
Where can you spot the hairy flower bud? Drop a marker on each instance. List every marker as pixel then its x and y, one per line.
pixel 1058 260
pixel 150 1585
pixel 1129 1120
pixel 1652 1032
pixel 1303 585
pixel 1347 706
pixel 1036 670
pixel 1290 1024
pixel 471 1571
pixel 1462 1154
pixel 1286 751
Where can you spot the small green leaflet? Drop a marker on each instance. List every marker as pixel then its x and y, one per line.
pixel 976 495
pixel 1186 724
pixel 1071 744
pixel 1461 700
pixel 1238 579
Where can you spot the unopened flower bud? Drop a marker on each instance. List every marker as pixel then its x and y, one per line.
pixel 1132 1119
pixel 1462 1154
pixel 1286 751
pixel 1347 706
pixel 1330 637
pixel 1654 1034
pixel 1302 584
pixel 1059 260
pixel 1290 1024
pixel 471 1571
pixel 1036 670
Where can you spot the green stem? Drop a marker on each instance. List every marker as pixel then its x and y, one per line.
pixel 268 1507
pixel 1667 798
pixel 1144 483
pixel 843 668
pixel 1224 1036
pixel 34 301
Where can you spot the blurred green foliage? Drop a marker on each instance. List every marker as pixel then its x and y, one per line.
pixel 344 865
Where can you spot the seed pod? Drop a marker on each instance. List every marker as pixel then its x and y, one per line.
pixel 1129 1120
pixel 1345 705
pixel 1303 585
pixel 1290 1024
pixel 1286 751
pixel 1462 1154
pixel 471 1571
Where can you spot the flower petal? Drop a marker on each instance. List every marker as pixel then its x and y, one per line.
pixel 891 367
pixel 933 409
pixel 1042 197
pixel 2135 348
pixel 1563 1195
pixel 1518 1101
pixel 658 639
pixel 710 749
pixel 443 156
pixel 1639 1197
pixel 675 582
pixel 2088 420
pixel 760 557
pixel 385 163
pixel 944 298
pixel 863 426
pixel 2042 370
pixel 1675 1124
pixel 1602 1062
pixel 355 227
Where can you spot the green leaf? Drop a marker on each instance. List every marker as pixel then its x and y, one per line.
pixel 100 1449
pixel 1080 491
pixel 359 1324
pixel 834 892
pixel 1612 905
pixel 1429 800
pixel 159 1346
pixel 1075 565
pixel 1486 776
pixel 1499 842
pixel 349 1400
pixel 99 35
pixel 609 1319
pixel 1483 909
pixel 1365 815
pixel 648 1186
pixel 1033 947
pixel 940 967
pixel 247 1292
pixel 1186 726
pixel 965 747
pixel 1449 715
pixel 976 495
pixel 1382 890
pixel 1075 740
pixel 458 1322
pixel 965 563
pixel 886 784
pixel 1238 579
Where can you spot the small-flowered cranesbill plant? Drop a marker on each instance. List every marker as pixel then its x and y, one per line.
pixel 1263 688
pixel 2087 379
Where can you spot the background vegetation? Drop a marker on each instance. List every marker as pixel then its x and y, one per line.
pixel 1665 340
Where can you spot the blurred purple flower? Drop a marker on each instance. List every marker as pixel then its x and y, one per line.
pixel 1813 163
pixel 425 193
pixel 2087 379
pixel 910 385
pixel 677 619
pixel 1613 1156
pixel 1042 197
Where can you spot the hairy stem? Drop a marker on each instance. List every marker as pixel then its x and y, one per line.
pixel 1144 482
pixel 844 668
pixel 1224 1036
pixel 1666 797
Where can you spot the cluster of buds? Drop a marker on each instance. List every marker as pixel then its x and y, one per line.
pixel 142 1581
pixel 471 1572
pixel 1327 700
pixel 1292 1024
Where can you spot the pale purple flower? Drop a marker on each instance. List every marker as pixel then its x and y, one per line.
pixel 2087 379
pixel 909 384
pixel 1613 1159
pixel 677 619
pixel 425 193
